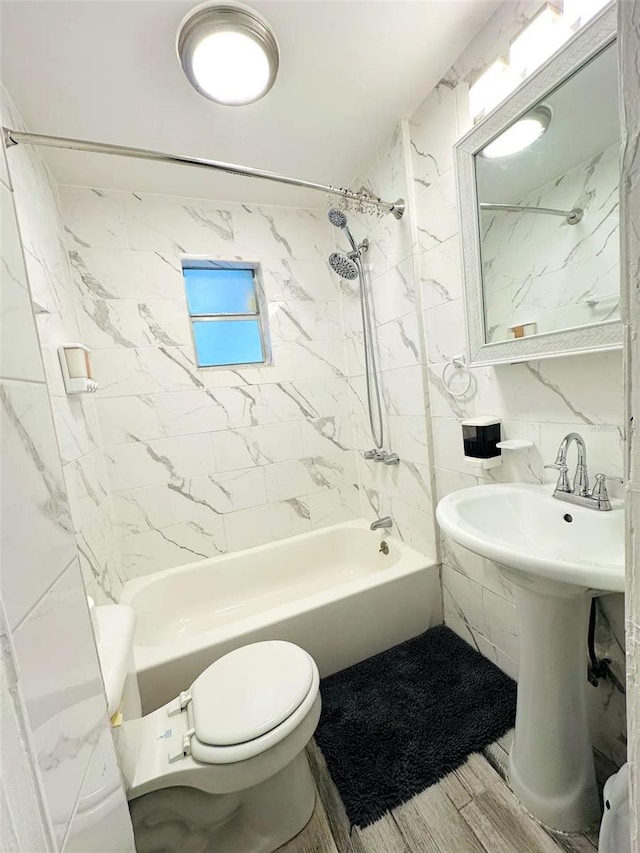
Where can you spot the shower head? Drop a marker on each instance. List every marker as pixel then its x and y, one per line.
pixel 344 266
pixel 337 218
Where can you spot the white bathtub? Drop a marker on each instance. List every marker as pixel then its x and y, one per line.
pixel 331 591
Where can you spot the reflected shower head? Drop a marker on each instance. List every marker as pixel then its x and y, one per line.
pixel 337 218
pixel 344 266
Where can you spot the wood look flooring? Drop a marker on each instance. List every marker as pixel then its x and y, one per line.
pixel 472 810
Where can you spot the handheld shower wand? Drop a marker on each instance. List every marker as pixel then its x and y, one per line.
pixel 350 267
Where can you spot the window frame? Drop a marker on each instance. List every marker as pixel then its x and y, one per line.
pixel 204 262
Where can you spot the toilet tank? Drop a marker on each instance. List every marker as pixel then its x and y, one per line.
pixel 114 631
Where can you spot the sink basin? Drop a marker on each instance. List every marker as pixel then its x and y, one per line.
pixel 557 556
pixel 524 528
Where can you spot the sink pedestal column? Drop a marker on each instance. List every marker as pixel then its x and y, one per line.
pixel 551 762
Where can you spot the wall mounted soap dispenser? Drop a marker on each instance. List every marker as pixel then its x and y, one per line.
pixel 75 363
pixel 480 437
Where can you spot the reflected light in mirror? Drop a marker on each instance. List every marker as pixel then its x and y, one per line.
pixel 520 135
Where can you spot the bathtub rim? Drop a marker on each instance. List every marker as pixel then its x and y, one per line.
pixel 148 656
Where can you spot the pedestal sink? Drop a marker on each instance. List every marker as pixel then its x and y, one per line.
pixel 557 557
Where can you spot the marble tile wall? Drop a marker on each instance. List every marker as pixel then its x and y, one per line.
pixel 57 321
pixel 53 706
pixel 629 29
pixel 24 819
pixel 540 269
pixel 405 491
pixel 539 401
pixel 201 462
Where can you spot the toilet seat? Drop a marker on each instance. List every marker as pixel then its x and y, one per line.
pixel 271 687
pixel 249 692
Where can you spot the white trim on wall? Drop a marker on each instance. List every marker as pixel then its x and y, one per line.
pixel 629 56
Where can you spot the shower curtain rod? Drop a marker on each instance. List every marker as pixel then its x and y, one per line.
pixel 362 198
pixel 572 216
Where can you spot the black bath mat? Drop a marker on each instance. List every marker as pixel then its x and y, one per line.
pixel 398 722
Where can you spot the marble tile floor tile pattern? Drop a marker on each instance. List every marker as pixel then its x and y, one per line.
pixel 472 810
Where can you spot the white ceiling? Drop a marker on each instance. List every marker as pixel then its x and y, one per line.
pixel 106 70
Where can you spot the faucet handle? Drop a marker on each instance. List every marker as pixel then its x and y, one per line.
pixel 563 484
pixel 600 488
pixel 600 493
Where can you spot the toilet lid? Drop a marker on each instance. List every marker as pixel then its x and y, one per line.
pixel 249 692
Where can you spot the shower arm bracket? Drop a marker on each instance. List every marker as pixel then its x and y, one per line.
pixel 8 139
pixel 363 247
pixel 398 208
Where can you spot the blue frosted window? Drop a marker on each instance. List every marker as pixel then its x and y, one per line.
pixel 227 342
pixel 220 292
pixel 225 316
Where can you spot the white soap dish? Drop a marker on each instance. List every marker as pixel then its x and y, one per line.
pixel 514 444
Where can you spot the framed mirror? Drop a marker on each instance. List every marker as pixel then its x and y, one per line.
pixel 538 198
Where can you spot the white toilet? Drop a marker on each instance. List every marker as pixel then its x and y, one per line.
pixel 615 835
pixel 223 766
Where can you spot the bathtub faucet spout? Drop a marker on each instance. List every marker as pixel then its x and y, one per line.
pixel 382 523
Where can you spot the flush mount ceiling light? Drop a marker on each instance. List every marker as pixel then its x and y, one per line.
pixel 228 52
pixel 520 135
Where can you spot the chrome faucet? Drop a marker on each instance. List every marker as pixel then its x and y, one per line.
pixel 579 493
pixel 382 523
pixel 581 478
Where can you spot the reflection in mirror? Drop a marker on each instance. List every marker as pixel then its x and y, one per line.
pixel 548 195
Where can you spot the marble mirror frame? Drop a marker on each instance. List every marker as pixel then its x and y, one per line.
pixel 607 335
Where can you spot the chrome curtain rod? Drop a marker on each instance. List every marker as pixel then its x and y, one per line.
pixel 572 216
pixel 361 199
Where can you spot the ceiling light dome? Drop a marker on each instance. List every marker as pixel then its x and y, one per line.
pixel 520 135
pixel 228 52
